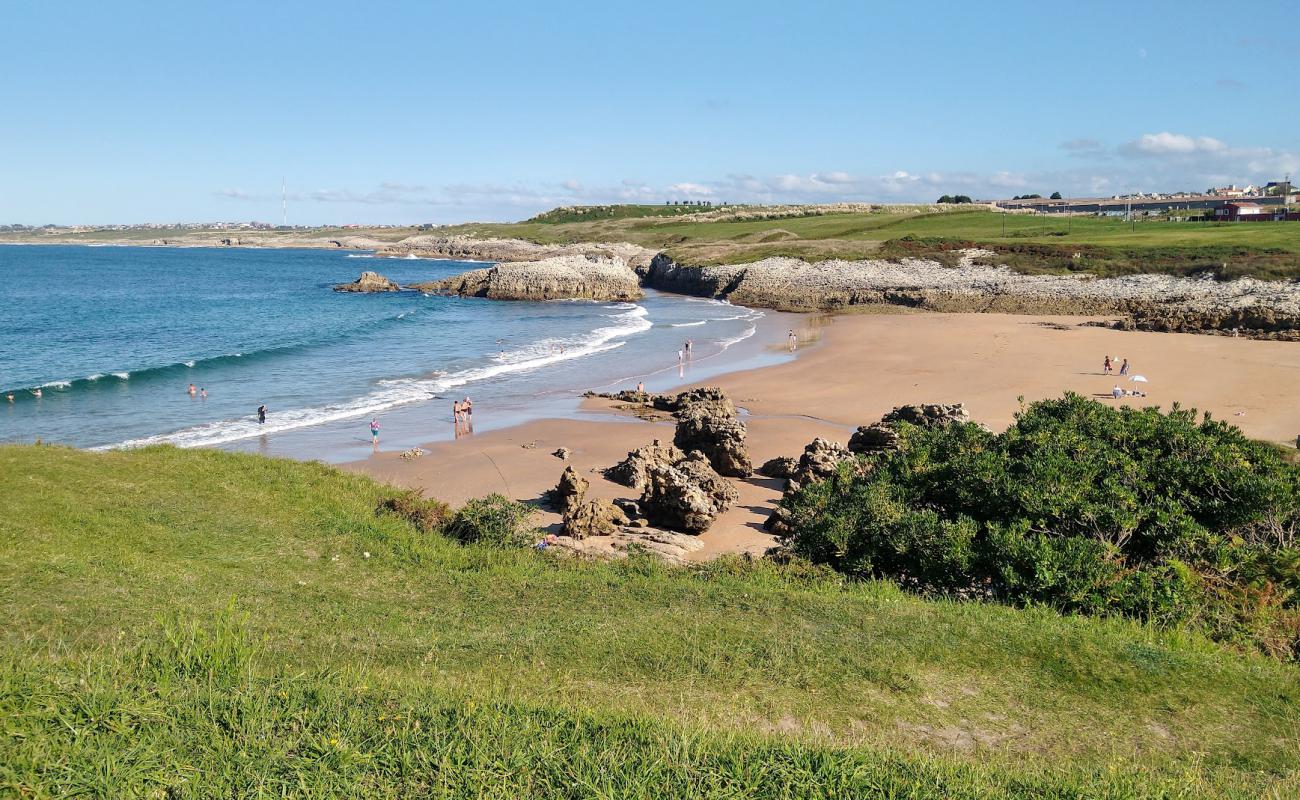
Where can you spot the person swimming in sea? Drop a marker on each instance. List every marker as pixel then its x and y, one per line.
pixel 36 392
pixel 10 397
pixel 203 394
pixel 192 390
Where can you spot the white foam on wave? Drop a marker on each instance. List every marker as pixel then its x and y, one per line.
pixel 688 324
pixel 123 375
pixel 404 391
pixel 60 384
pixel 189 364
pixel 95 377
pixel 360 255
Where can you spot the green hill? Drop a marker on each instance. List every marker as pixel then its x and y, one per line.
pixel 201 624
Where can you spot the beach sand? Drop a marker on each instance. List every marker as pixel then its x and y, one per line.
pixel 855 369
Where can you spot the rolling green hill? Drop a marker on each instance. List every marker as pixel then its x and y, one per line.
pixel 198 623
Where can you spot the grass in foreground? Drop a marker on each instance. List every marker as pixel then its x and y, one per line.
pixel 591 673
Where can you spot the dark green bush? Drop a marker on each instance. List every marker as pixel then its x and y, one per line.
pixel 494 520
pixel 1080 505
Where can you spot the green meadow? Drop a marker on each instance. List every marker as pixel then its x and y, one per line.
pixel 206 624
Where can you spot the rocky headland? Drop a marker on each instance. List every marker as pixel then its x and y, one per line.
pixel 512 250
pixel 1262 309
pixel 554 278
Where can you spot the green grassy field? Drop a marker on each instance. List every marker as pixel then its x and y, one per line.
pixel 213 624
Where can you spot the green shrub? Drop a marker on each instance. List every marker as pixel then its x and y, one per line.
pixel 427 515
pixel 1082 506
pixel 494 520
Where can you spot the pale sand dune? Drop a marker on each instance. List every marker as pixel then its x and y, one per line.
pixel 862 367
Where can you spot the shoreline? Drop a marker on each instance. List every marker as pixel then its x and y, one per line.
pixel 860 367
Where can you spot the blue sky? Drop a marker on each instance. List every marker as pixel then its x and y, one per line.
pixel 441 112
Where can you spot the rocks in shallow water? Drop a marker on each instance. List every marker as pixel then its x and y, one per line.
pixel 686 496
pixel 632 470
pixel 779 467
pixel 569 492
pixel 369 282
pixel 593 518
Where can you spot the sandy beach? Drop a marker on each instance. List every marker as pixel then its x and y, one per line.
pixel 853 369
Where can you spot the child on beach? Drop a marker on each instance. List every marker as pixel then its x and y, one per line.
pixel 1106 366
pixel 374 431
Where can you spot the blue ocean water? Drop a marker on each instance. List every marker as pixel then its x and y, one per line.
pixel 113 336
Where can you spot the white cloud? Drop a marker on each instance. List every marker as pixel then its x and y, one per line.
pixel 691 189
pixel 1172 144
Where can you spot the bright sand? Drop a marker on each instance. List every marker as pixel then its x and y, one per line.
pixel 857 368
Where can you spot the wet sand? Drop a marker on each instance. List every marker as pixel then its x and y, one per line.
pixel 857 368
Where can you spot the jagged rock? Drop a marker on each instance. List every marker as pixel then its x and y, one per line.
pixel 820 460
pixel 778 522
pixel 563 453
pixel 412 454
pixel 707 400
pixel 631 471
pixel 779 467
pixel 557 278
pixel 593 518
pixel 707 422
pixel 630 507
pixel 369 282
pixel 569 492
pixel 880 437
pixel 929 415
pixel 686 496
pixel 874 438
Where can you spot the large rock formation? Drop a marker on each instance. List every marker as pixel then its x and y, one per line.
pixel 634 470
pixel 820 460
pixel 593 518
pixel 508 250
pixel 557 278
pixel 369 282
pixel 686 496
pixel 1269 309
pixel 881 436
pixel 707 422
pixel 569 492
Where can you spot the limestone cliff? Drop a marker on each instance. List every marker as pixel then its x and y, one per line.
pixel 556 278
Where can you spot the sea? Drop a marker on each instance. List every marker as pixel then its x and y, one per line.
pixel 112 337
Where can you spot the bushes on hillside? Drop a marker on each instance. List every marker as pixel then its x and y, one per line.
pixel 427 515
pixel 494 520
pixel 1082 506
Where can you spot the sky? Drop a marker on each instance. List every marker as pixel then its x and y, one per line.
pixel 411 112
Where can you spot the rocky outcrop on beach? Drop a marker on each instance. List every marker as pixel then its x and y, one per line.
pixel 1154 302
pixel 686 496
pixel 593 518
pixel 568 493
pixel 510 250
pixel 881 436
pixel 634 470
pixel 556 278
pixel 720 438
pixel 369 282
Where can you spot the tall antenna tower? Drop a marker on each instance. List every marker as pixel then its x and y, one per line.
pixel 284 204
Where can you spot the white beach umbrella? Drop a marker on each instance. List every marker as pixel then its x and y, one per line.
pixel 1139 379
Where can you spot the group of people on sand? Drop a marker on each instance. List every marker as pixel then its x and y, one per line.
pixel 1108 368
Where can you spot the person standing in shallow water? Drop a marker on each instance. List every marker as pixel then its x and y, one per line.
pixel 374 431
pixel 261 414
pixel 793 341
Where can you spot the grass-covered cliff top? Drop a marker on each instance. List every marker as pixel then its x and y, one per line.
pixel 216 624
pixel 741 234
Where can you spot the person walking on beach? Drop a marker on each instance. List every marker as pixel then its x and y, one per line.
pixel 374 431
pixel 261 414
pixel 1106 366
pixel 793 341
pixel 1123 368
